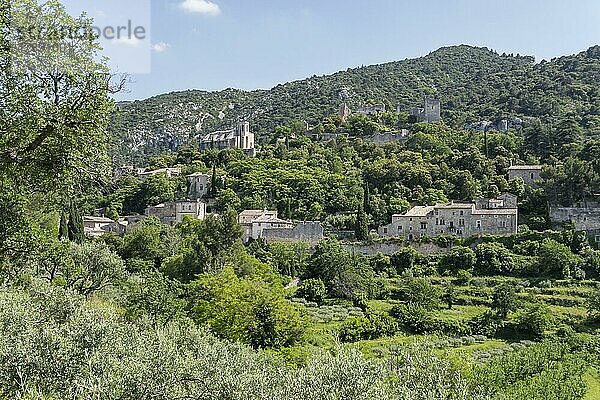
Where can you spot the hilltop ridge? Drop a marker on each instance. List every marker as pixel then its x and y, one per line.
pixel 473 83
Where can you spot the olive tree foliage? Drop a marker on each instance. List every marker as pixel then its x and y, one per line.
pixel 95 268
pixel 54 110
pixel 85 350
pixel 54 93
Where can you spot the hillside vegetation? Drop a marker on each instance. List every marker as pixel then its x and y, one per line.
pixel 472 84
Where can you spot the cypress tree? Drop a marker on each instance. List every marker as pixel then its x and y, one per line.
pixel 361 228
pixel 213 182
pixel 367 199
pixel 63 229
pixel 288 208
pixel 75 225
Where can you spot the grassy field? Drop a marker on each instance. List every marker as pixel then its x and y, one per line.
pixel 565 299
pixel 592 379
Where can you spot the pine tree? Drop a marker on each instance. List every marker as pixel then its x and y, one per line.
pixel 75 225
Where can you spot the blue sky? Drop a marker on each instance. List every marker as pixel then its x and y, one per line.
pixel 250 44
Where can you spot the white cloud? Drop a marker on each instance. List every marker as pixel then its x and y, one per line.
pixel 160 47
pixel 127 41
pixel 205 7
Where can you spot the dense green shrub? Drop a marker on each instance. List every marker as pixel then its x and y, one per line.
pixel 248 310
pixel 534 320
pixel 372 326
pixel 593 305
pixel 494 259
pixel 556 260
pixel 459 258
pixel 414 317
pixel 421 292
pixel 405 259
pixel 312 290
pixel 486 324
pixel 542 371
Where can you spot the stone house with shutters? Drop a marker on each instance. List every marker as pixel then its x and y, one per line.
pixel 173 212
pixel 484 217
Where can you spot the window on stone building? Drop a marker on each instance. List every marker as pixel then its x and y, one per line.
pixel 478 224
pixel 423 225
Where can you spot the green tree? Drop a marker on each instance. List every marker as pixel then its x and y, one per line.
pixel 312 290
pixel 75 225
pixel 207 246
pixel 246 310
pixel 504 300
pixel 290 259
pixel 149 240
pixel 450 297
pixel 153 190
pixel 152 294
pixel 421 292
pixel 459 258
pixel 494 258
pixel 361 229
pixel 94 268
pixel 225 200
pixel 556 260
pixel 405 259
pixel 63 228
pixel 342 272
pixel 534 320
pixel 60 90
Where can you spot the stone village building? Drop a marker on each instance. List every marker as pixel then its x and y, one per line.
pixel 254 222
pixel 484 217
pixel 311 232
pixel 199 185
pixel 529 173
pixel 174 212
pixel 264 224
pixel 374 109
pixel 96 226
pixel 142 173
pixel 239 137
pixel 584 217
pixel 430 112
